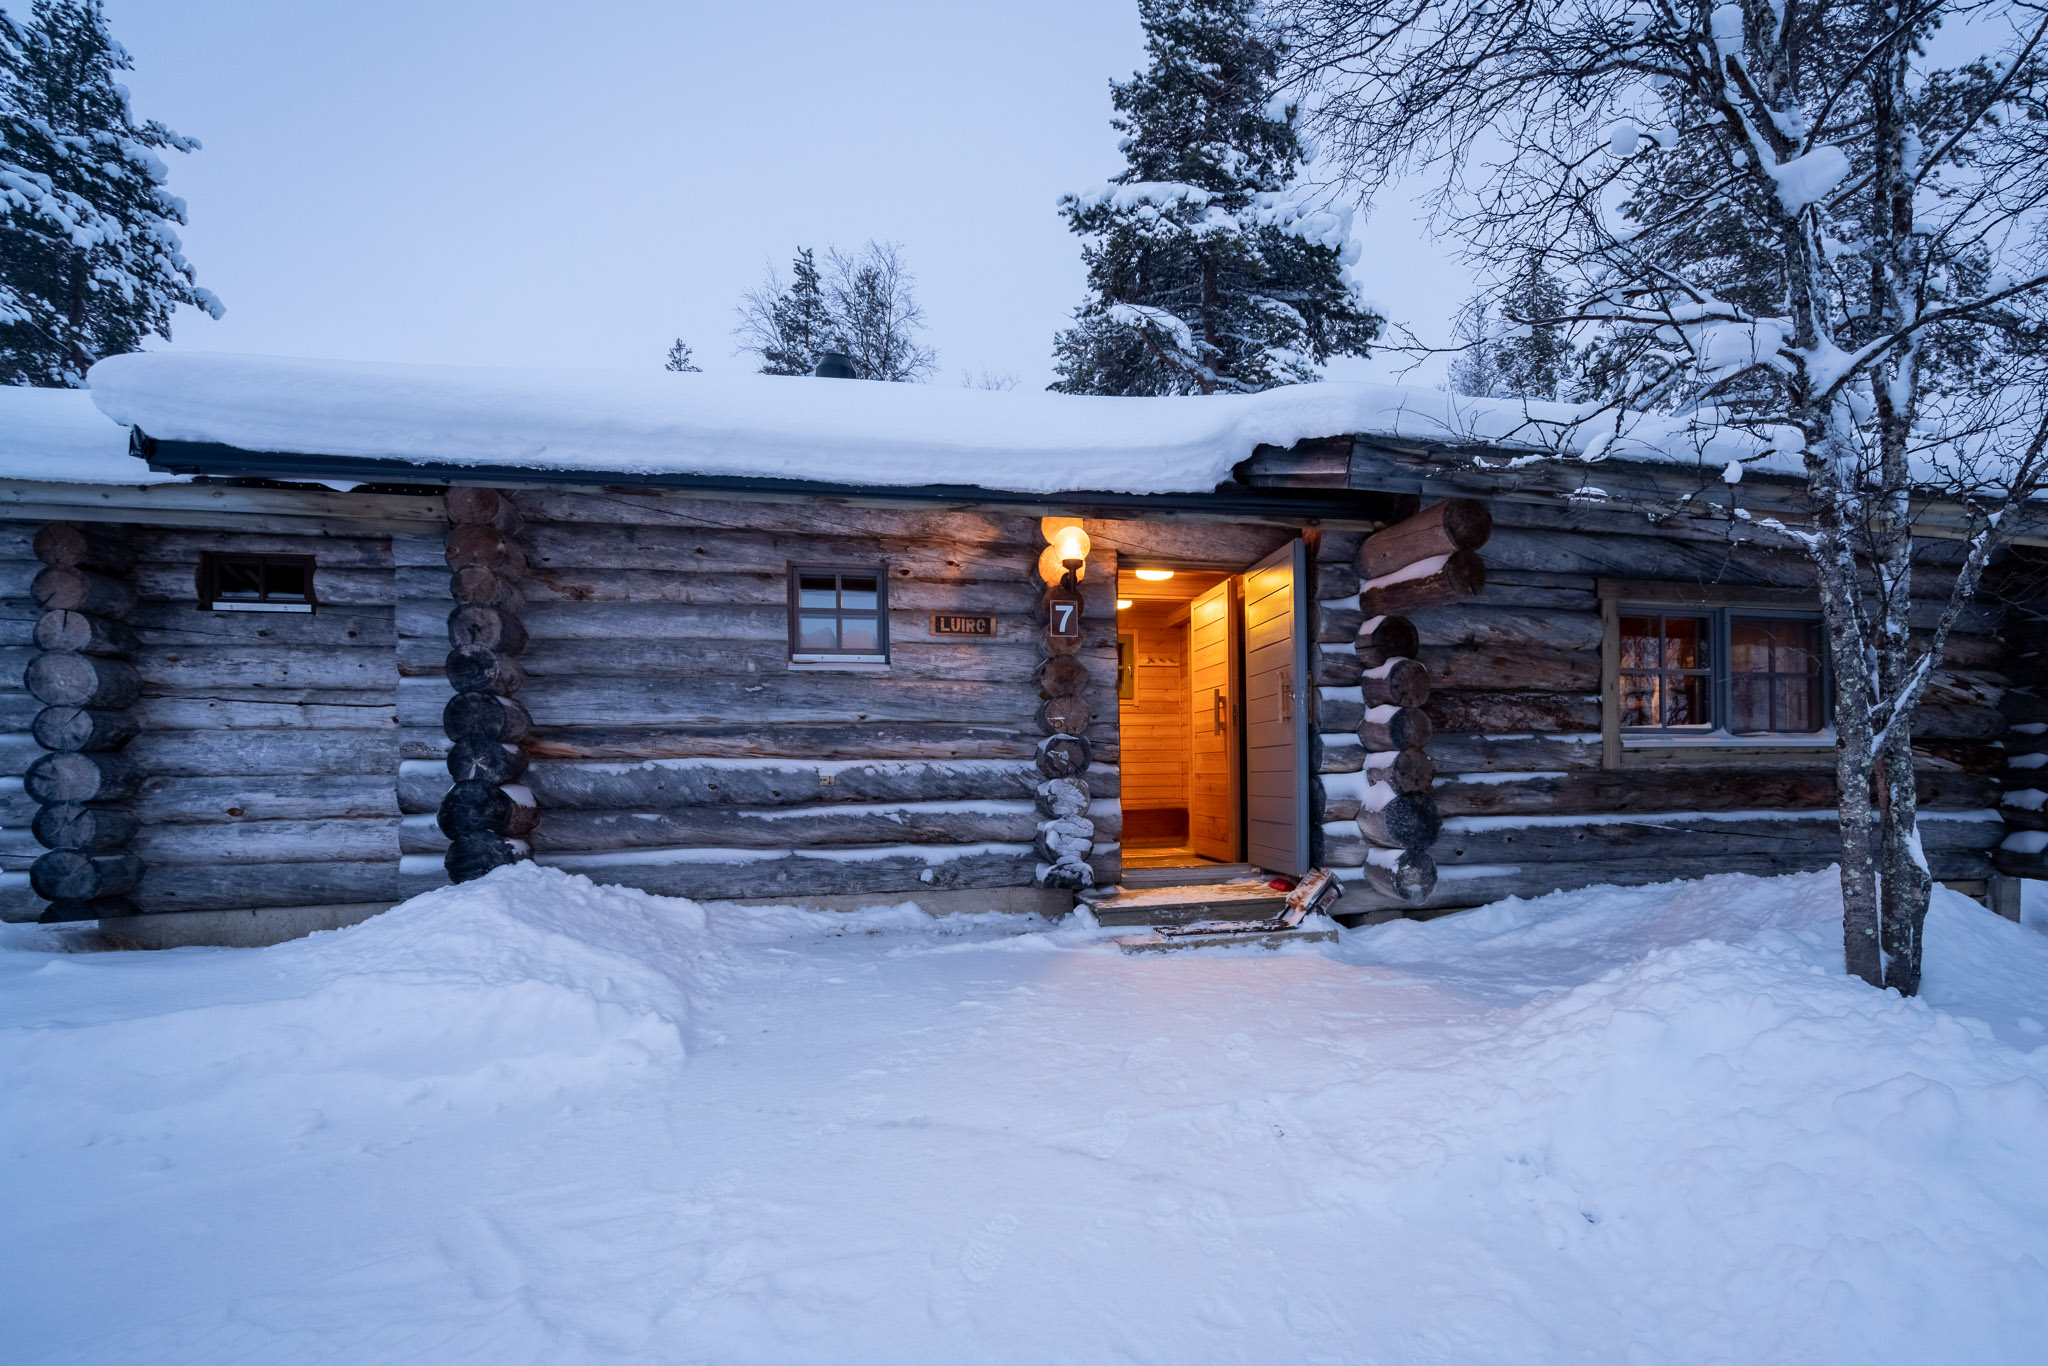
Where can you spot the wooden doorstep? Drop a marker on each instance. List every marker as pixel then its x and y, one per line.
pixel 1270 939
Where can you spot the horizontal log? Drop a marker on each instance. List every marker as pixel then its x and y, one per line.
pixel 85 634
pixel 273 797
pixel 237 886
pixel 1678 838
pixel 63 679
pixel 811 828
pixel 61 589
pixel 878 740
pixel 259 709
pixel 1338 710
pixel 476 586
pixel 698 874
pixel 1958 723
pixel 792 698
pixel 1513 754
pixel 1336 581
pixel 1404 821
pixel 488 628
pixel 270 841
pixel 1379 639
pixel 264 664
pixel 476 669
pixel 1971 756
pixel 1537 879
pixel 1522 588
pixel 100 908
pixel 1460 576
pixel 75 875
pixel 1410 880
pixel 77 728
pixel 474 546
pixel 484 507
pixel 101 547
pixel 1478 623
pixel 485 716
pixel 180 547
pixel 1527 668
pixel 474 757
pixel 1397 683
pixel 94 829
pixel 671 784
pixel 1500 713
pixel 58 778
pixel 1338 623
pixel 171 625
pixel 1328 669
pixel 1402 728
pixel 1404 770
pixel 1651 557
pixel 200 753
pixel 661 507
pixel 1440 529
pixel 1007 660
pixel 1688 788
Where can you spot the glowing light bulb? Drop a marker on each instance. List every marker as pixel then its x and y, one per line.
pixel 1155 575
pixel 1071 542
pixel 1122 603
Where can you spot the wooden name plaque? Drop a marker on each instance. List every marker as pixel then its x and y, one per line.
pixel 982 624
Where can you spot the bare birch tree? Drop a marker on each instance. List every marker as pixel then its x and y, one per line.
pixel 1790 239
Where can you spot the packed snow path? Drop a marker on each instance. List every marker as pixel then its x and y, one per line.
pixel 532 1120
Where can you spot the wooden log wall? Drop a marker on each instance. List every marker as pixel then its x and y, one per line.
pixel 1512 727
pixel 1066 833
pixel 2023 849
pixel 264 744
pixel 673 746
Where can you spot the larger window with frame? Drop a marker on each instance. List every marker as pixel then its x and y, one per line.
pixel 1740 672
pixel 838 615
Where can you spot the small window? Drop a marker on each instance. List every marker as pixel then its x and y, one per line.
pixel 255 583
pixel 838 615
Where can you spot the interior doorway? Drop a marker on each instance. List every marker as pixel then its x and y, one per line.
pixel 1212 714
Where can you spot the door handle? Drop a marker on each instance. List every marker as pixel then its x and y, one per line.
pixel 1221 711
pixel 1286 699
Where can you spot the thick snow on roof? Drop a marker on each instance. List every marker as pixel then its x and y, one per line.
pixel 656 422
pixel 57 436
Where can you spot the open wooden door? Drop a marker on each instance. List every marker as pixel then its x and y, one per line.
pixel 1214 776
pixel 1276 707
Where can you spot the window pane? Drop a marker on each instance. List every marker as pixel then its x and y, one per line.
pixel 857 592
pixel 1685 645
pixel 861 634
pixel 285 580
pixel 1639 643
pixel 1639 699
pixel 1750 700
pixel 817 590
pixel 817 633
pixel 1749 645
pixel 238 579
pixel 1686 697
pixel 1798 700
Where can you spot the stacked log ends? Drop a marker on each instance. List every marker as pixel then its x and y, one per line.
pixel 88 688
pixel 1066 835
pixel 487 812
pixel 1428 560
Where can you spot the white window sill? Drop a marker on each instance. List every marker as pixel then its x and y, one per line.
pixel 261 606
pixel 863 664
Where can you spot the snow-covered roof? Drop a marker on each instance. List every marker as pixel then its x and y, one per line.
pixel 58 436
pixel 843 432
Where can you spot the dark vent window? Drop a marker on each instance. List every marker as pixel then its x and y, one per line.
pixel 256 583
pixel 838 615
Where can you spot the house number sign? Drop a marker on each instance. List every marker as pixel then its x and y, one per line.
pixel 981 624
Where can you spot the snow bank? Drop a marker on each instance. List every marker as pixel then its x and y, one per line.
pixel 764 426
pixel 532 1119
pixel 57 436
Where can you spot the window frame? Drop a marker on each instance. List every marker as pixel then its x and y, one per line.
pixel 1619 598
pixel 207 583
pixel 799 656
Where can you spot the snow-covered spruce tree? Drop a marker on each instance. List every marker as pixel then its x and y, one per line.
pixel 1523 352
pixel 1786 232
pixel 681 360
pixel 788 326
pixel 1209 268
pixel 90 262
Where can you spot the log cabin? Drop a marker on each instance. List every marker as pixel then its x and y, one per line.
pixel 292 641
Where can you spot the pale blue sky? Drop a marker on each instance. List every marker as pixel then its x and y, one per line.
pixel 524 183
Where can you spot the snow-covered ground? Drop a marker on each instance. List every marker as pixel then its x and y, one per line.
pixel 534 1120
